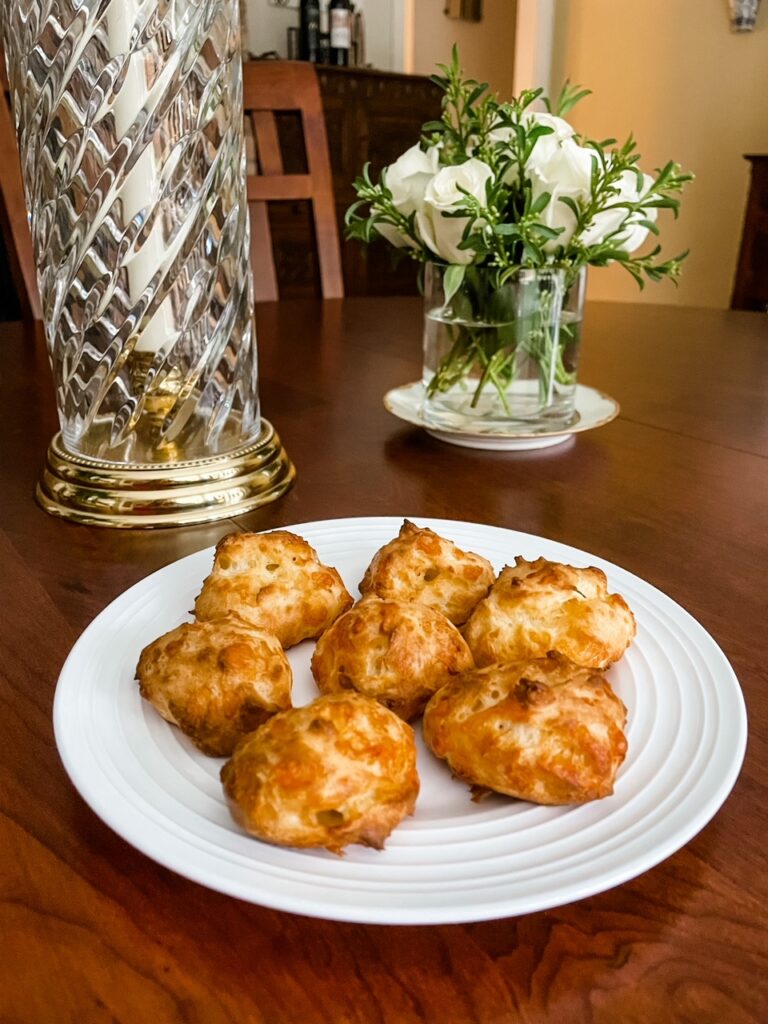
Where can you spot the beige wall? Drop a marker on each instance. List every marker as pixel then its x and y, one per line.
pixel 672 72
pixel 486 47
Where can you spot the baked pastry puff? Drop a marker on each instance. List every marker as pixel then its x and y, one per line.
pixel 216 681
pixel 421 566
pixel 538 607
pixel 396 652
pixel 543 730
pixel 276 582
pixel 340 770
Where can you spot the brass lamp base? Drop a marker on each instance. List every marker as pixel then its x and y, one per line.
pixel 179 494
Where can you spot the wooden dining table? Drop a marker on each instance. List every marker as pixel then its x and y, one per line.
pixel 675 490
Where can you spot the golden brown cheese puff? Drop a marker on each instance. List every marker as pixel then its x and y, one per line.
pixel 216 681
pixel 538 607
pixel 397 653
pixel 420 566
pixel 341 770
pixel 544 731
pixel 275 581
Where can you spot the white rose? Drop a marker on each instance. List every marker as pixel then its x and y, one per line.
pixel 545 146
pixel 407 179
pixel 560 128
pixel 630 234
pixel 444 194
pixel 566 170
pixel 638 233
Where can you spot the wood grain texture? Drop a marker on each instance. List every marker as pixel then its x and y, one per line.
pixel 371 117
pixel 270 86
pixel 675 490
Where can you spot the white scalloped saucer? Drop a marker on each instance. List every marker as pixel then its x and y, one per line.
pixel 592 409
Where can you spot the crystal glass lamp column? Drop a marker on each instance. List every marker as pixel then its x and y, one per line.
pixel 130 125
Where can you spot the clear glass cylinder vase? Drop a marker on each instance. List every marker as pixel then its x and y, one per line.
pixel 130 124
pixel 501 358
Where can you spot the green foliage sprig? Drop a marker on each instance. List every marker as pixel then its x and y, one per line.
pixel 514 224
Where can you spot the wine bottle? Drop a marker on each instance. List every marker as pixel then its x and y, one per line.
pixel 341 31
pixel 309 30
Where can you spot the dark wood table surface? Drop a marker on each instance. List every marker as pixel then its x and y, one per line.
pixel 675 490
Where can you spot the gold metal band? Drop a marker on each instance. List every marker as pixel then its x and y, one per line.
pixel 136 496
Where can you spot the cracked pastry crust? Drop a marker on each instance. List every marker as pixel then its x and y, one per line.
pixel 275 581
pixel 544 731
pixel 216 681
pixel 423 567
pixel 538 607
pixel 338 771
pixel 395 652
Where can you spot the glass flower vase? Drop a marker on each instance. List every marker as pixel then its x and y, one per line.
pixel 501 359
pixel 129 116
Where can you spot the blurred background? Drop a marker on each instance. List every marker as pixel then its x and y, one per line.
pixel 676 74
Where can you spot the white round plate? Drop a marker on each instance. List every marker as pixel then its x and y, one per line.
pixel 592 409
pixel 454 860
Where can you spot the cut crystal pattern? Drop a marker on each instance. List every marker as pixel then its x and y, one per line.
pixel 130 122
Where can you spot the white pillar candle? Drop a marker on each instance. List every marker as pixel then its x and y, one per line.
pixel 140 186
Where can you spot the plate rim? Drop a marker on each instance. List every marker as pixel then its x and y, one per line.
pixel 322 906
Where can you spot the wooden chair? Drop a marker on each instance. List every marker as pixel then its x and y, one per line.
pixel 268 87
pixel 15 226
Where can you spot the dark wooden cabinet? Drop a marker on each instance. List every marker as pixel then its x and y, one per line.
pixel 750 289
pixel 371 116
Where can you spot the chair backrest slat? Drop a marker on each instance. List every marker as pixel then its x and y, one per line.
pixel 282 86
pixel 267 142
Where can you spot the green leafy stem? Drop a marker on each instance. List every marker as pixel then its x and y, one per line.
pixel 493 353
